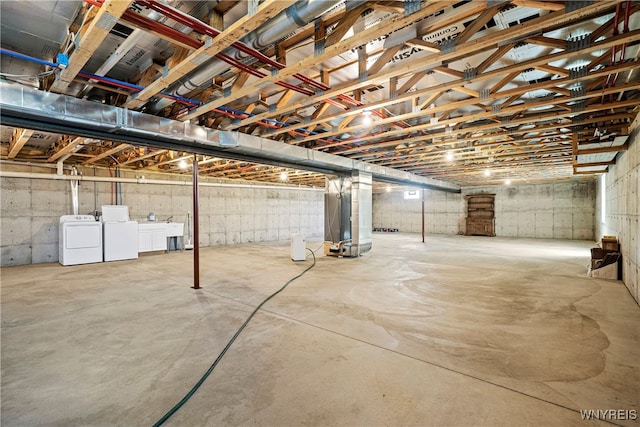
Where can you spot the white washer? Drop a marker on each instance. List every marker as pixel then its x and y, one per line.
pixel 80 240
pixel 120 235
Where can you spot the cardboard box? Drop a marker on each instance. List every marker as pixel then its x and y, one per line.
pixel 609 243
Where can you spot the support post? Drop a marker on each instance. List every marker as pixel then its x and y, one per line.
pixel 423 215
pixel 196 227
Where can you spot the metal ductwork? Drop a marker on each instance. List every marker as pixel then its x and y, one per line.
pixel 51 112
pixel 294 17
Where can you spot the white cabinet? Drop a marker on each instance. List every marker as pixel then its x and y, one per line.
pixel 152 237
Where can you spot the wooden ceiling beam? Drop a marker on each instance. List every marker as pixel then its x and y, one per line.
pixel 544 5
pixel 471 47
pixel 547 42
pixel 384 59
pixel 473 129
pixel 344 25
pixel 552 70
pixel 67 145
pixel 594 164
pixel 143 157
pixel 494 57
pixel 505 109
pixel 600 150
pixel 107 153
pixel 90 40
pixel 477 24
pixel 19 137
pixel 267 10
pixel 423 45
pixel 361 38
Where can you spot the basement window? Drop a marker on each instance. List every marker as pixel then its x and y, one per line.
pixel 411 194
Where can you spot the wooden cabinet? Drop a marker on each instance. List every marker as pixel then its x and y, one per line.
pixel 480 215
pixel 152 236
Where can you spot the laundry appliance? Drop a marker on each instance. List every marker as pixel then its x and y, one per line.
pixel 80 240
pixel 120 235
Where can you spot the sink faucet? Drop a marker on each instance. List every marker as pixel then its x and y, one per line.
pixel 170 218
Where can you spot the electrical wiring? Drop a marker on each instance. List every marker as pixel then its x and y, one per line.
pixel 202 379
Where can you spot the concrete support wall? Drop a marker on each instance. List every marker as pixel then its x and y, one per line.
pixel 564 210
pixel 548 211
pixel 444 212
pixel 31 208
pixel 622 212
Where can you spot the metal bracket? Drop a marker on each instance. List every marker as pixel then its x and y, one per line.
pixel 571 5
pixel 447 46
pixel 575 73
pixel 318 45
pixel 411 6
pixel 107 21
pixel 469 74
pixel 272 108
pixel 577 91
pixel 496 108
pixel 226 92
pixel 274 71
pixel 578 107
pixel 505 120
pixel 484 94
pixel 578 43
pixel 393 94
pixel 362 75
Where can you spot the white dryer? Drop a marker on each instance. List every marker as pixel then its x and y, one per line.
pixel 120 235
pixel 80 240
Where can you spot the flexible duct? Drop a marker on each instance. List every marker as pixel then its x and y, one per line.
pixel 284 23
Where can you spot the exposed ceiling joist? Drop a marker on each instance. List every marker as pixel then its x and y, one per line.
pixel 90 40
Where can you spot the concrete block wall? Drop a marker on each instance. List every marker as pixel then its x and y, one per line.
pixel 31 208
pixel 622 212
pixel 443 212
pixel 563 210
pixel 549 211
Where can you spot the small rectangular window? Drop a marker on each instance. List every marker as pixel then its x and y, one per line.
pixel 411 194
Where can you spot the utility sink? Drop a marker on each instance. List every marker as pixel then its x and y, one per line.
pixel 175 229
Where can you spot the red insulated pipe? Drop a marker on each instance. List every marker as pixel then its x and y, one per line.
pixel 205 29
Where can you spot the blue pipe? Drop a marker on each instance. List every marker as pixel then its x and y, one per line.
pixel 138 88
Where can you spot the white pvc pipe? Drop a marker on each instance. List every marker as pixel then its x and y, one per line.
pixel 36 175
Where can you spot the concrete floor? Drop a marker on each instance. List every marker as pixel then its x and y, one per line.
pixel 459 331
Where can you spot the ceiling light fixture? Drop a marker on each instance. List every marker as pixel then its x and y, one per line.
pixel 507 182
pixel 388 189
pixel 182 164
pixel 487 172
pixel 449 156
pixel 366 117
pixel 283 176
